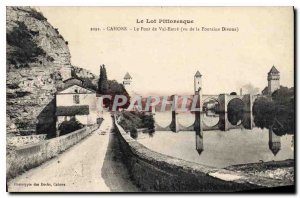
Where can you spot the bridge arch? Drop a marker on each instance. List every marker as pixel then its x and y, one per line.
pixel 235 110
pixel 211 109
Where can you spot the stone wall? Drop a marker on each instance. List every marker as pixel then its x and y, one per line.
pixel 17 141
pixel 152 171
pixel 30 156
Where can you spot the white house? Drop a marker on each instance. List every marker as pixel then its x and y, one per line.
pixel 76 101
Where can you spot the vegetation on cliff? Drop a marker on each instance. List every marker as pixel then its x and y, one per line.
pixel 25 49
pixel 36 54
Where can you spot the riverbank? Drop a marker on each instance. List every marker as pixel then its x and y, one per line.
pixel 282 171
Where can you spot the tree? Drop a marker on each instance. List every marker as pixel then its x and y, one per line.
pixel 148 121
pixel 235 111
pixel 276 112
pixel 100 80
pixel 103 82
pixel 115 88
pixel 285 110
pixel 264 112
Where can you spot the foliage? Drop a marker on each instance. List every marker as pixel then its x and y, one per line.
pixel 276 112
pixel 115 88
pixel 263 112
pixel 285 110
pixel 131 121
pixel 148 121
pixel 87 82
pixel 25 49
pixel 69 126
pixel 38 15
pixel 112 88
pixel 235 111
pixel 134 133
pixel 103 82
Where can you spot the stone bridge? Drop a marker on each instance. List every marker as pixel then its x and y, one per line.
pixel 185 121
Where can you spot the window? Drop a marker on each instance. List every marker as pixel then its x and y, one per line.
pixel 76 99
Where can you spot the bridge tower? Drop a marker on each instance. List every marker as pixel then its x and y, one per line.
pixel 198 83
pixel 127 80
pixel 198 126
pixel 274 142
pixel 273 80
pixel 174 124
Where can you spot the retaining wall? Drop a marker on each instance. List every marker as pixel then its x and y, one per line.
pixel 152 171
pixel 32 155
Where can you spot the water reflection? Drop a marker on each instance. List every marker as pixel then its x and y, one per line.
pixel 235 119
pixel 199 141
pixel 274 142
pixel 232 138
pixel 222 148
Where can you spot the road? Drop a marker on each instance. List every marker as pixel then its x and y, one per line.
pixel 93 165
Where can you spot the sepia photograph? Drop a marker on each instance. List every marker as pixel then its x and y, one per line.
pixel 150 99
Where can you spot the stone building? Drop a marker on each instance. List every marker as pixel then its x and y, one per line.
pixel 273 81
pixel 77 102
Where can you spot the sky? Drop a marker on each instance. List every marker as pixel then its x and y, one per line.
pixel 165 63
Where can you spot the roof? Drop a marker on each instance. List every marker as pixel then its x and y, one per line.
pixel 127 76
pixel 198 74
pixel 73 78
pixel 72 110
pixel 265 91
pixel 273 70
pixel 274 148
pixel 67 87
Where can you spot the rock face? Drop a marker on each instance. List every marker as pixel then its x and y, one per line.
pixel 37 56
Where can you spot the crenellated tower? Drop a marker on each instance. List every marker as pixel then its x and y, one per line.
pixel 273 80
pixel 198 83
pixel 127 82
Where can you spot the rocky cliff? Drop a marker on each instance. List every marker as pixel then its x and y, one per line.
pixel 37 56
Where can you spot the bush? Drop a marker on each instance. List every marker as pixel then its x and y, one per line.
pixel 25 49
pixel 69 126
pixel 131 121
pixel 134 133
pixel 38 15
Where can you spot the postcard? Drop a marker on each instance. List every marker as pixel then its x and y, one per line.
pixel 150 99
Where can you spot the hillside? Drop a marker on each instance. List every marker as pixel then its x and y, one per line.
pixel 37 55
